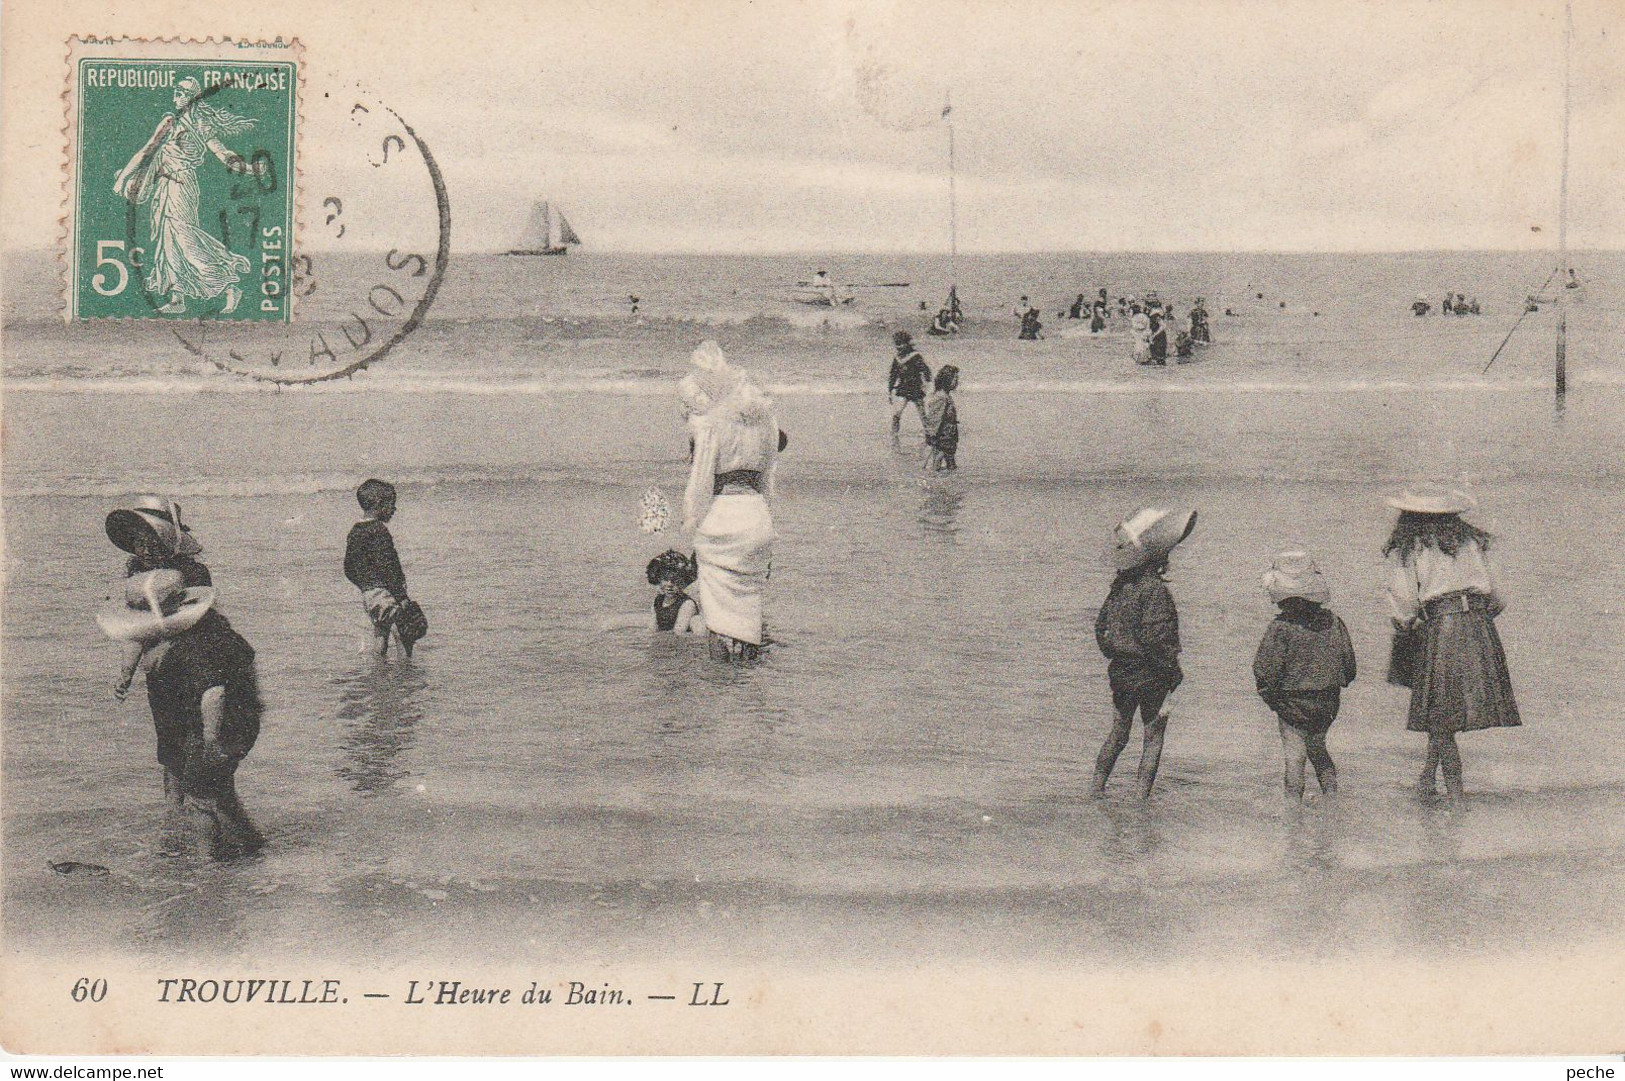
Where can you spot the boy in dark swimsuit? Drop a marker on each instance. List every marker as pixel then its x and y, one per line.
pixel 373 566
pixel 909 377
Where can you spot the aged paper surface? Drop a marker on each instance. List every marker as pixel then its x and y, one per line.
pixel 257 254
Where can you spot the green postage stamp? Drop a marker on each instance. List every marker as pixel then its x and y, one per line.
pixel 181 179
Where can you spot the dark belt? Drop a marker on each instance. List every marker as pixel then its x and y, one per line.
pixel 1462 600
pixel 748 477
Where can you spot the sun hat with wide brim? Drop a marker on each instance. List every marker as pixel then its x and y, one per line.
pixel 1432 499
pixel 127 528
pixel 156 605
pixel 169 511
pixel 1147 536
pixel 1295 574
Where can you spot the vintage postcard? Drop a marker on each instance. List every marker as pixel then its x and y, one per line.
pixel 905 527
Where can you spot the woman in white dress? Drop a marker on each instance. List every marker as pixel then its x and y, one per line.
pixel 725 506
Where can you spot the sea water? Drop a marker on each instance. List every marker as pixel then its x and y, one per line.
pixel 906 773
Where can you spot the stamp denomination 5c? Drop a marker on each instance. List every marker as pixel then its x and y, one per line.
pixel 181 179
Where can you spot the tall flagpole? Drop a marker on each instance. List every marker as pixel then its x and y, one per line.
pixel 953 199
pixel 1563 215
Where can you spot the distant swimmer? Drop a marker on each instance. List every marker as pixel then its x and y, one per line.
pixel 1199 327
pixel 907 382
pixel 1420 305
pixel 1097 317
pixel 1076 311
pixel 1031 328
pixel 943 324
pixel 1573 282
pixel 1159 338
pixel 634 301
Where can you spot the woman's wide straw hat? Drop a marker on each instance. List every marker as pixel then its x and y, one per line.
pixel 1295 574
pixel 154 517
pixel 1147 536
pixel 1432 498
pixel 156 605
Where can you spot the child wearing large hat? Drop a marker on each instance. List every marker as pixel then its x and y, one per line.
pixel 1443 598
pixel 1138 631
pixel 1303 663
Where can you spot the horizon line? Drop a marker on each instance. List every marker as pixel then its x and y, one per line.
pixel 27 250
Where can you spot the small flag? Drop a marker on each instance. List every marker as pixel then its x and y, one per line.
pixel 654 515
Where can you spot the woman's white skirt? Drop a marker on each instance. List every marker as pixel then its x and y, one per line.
pixel 734 547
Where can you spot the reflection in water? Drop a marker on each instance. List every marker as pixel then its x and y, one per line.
pixel 939 513
pixel 1438 902
pixel 380 707
pixel 1133 835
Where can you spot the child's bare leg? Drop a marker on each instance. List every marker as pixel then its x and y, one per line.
pixel 172 788
pixel 1116 740
pixel 1293 753
pixel 1450 761
pixel 1151 752
pixel 1425 785
pixel 1321 759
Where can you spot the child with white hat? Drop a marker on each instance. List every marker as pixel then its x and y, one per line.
pixel 1138 631
pixel 1302 666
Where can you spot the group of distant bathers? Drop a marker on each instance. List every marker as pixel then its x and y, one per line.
pixel 1452 304
pixel 1153 325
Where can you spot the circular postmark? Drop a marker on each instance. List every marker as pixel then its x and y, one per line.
pixel 373 225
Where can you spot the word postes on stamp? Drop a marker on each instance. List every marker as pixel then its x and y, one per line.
pixel 181 185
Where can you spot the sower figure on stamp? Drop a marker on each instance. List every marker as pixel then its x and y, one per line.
pixel 185 260
pixel 1138 631
pixel 205 701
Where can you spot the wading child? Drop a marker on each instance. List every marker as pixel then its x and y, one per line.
pixel 674 610
pixel 1138 631
pixel 1443 597
pixel 1302 666
pixel 942 422
pixel 908 379
pixel 372 566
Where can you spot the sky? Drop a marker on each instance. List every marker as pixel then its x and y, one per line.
pixel 772 126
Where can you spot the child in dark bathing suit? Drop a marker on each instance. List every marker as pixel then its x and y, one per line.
pixel 674 610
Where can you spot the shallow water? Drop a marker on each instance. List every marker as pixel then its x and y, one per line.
pixel 906 774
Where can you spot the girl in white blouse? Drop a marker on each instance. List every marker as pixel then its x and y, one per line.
pixel 1442 595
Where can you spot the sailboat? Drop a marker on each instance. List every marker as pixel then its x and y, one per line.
pixel 547 233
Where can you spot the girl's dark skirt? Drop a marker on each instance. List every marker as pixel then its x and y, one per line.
pixel 1461 682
